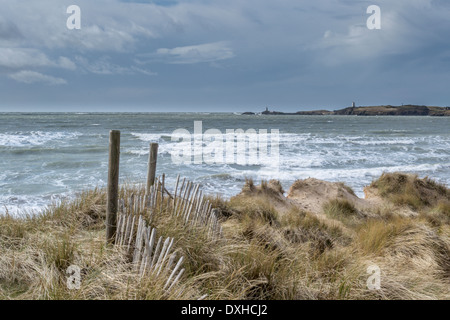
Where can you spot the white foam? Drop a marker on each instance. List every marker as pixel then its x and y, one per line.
pixel 21 205
pixel 347 157
pixel 147 137
pixel 33 138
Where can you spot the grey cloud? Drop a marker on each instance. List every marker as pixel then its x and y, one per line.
pixel 19 58
pixel 208 52
pixel 407 28
pixel 30 77
pixel 8 30
pixel 278 51
pixel 104 66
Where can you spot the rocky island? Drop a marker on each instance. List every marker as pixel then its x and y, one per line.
pixel 387 110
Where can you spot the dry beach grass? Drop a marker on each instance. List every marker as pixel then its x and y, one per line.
pixel 273 246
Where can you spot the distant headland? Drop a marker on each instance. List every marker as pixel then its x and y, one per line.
pixel 388 110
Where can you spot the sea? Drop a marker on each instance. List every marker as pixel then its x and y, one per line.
pixel 46 158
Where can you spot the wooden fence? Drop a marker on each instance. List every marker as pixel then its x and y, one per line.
pixel 153 255
pixel 130 221
pixel 149 256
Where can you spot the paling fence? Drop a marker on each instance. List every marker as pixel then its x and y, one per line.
pixel 152 254
pixel 131 222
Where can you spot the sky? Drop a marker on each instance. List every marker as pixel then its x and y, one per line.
pixel 222 55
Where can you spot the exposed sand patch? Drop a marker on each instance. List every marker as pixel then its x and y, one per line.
pixel 312 194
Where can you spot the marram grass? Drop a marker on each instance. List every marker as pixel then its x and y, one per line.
pixel 265 253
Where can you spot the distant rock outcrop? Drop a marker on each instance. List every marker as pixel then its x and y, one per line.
pixel 388 110
pixel 405 110
pixel 315 113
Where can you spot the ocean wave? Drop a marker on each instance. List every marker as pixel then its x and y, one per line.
pixel 342 174
pixel 356 178
pixel 219 176
pixel 385 142
pixel 65 161
pixel 22 205
pixel 34 138
pixel 137 151
pixel 290 139
pixel 148 137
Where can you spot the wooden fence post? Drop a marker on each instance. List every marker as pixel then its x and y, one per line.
pixel 152 166
pixel 113 186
